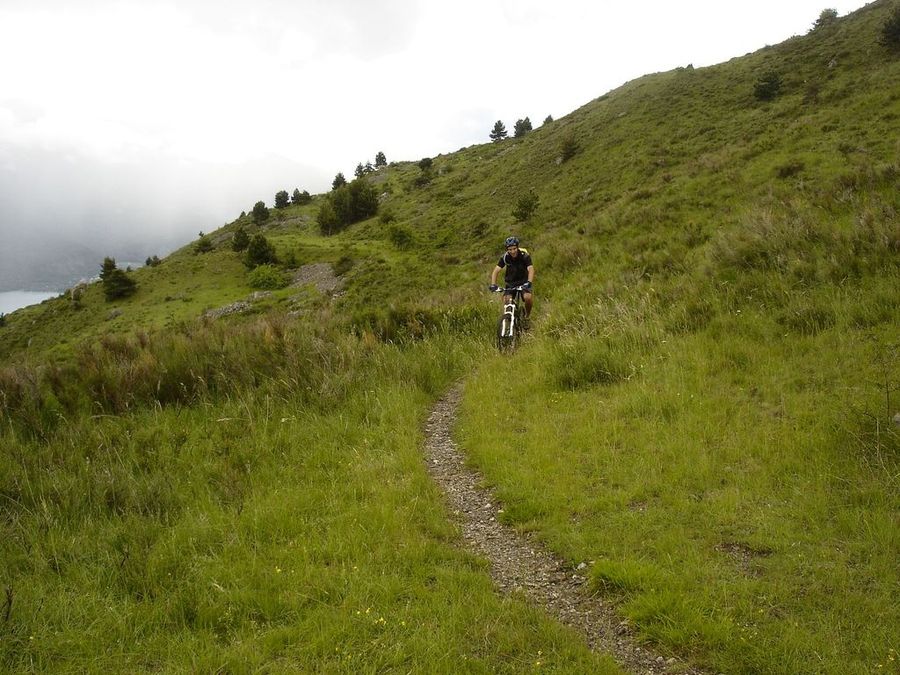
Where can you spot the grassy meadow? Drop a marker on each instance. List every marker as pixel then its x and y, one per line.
pixel 703 411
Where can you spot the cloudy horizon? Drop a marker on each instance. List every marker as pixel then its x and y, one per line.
pixel 124 123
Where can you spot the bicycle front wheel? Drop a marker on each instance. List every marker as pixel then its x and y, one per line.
pixel 505 336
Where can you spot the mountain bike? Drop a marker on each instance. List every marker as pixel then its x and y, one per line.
pixel 509 326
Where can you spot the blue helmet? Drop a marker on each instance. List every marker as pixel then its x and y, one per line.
pixel 512 241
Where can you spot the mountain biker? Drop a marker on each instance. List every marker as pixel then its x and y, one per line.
pixel 519 272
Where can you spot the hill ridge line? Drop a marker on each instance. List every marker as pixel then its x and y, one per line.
pixel 520 564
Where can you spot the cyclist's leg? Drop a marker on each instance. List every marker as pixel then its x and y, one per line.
pixel 529 299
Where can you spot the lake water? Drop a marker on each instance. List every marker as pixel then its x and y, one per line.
pixel 13 300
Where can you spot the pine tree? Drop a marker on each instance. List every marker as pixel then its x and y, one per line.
pixel 380 160
pixel 359 170
pixel 522 127
pixel 260 213
pixel 240 240
pixel 109 264
pixel 259 252
pixel 498 133
pixel 338 181
pixel 116 283
pixel 281 199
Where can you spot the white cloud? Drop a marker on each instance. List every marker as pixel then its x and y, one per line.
pixel 197 88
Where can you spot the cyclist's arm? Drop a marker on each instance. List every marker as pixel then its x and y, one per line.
pixel 531 273
pixel 494 274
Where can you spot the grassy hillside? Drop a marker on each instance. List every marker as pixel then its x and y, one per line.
pixel 703 411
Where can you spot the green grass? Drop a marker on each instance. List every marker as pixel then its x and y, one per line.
pixel 703 410
pixel 730 484
pixel 257 531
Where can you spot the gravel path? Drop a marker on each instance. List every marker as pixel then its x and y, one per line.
pixel 521 564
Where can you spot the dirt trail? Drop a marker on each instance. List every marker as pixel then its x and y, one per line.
pixel 521 564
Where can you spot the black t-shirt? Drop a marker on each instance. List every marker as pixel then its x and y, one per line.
pixel 516 268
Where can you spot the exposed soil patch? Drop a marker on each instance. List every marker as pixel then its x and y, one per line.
pixel 520 564
pixel 321 275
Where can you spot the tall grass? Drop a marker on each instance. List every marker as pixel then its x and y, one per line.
pixel 734 485
pixel 244 524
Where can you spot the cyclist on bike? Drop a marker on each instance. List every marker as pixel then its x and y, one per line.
pixel 519 272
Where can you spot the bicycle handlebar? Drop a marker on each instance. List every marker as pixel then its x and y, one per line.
pixel 511 289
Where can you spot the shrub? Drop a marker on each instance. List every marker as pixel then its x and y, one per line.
pixel 346 205
pixel 585 363
pixel 387 216
pixel 259 252
pixel 2 320
pixel 118 284
pixel 203 244
pixel 301 198
pixel 343 265
pixel 788 169
pixel 826 18
pixel 526 206
pixel 521 128
pixel 768 87
pixel 890 32
pixel 569 146
pixel 327 218
pixel 400 236
pixel 267 277
pixel 152 261
pixel 240 240
pixel 260 213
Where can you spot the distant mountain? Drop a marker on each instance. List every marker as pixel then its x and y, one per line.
pixel 45 263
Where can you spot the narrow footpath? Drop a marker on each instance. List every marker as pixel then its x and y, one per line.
pixel 519 564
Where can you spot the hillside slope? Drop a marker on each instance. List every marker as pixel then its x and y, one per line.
pixel 703 411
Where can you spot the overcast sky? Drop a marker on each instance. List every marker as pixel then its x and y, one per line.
pixel 129 120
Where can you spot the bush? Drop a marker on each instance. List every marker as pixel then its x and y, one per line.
pixel 586 363
pixel 204 244
pixel 240 240
pixel 343 265
pixel 259 252
pixel 526 206
pixel 521 128
pixel 890 32
pixel 768 87
pixel 267 277
pixel 152 261
pixel 826 18
pixel 400 236
pixel 260 213
pixel 117 284
pixel 569 147
pixel 346 205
